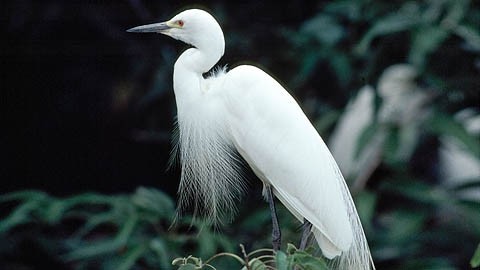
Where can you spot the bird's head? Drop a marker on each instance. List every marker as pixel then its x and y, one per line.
pixel 193 26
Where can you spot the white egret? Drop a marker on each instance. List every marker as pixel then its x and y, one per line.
pixel 247 111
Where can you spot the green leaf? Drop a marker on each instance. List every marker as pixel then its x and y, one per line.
pixel 157 245
pixel 470 35
pixel 475 261
pixel 20 215
pixel 428 263
pixel 309 262
pixel 350 9
pixel 129 259
pixel 281 260
pixel 291 249
pixel 257 217
pixel 404 19
pixel 106 246
pixel 425 40
pixel 308 64
pixel 324 28
pixel 178 261
pixel 366 137
pixel 94 221
pixel 207 243
pixel 416 190
pixel 23 195
pixel 326 120
pixel 155 201
pixel 456 11
pixel 341 64
pixel 366 203
pixel 187 267
pixel 391 146
pixel 90 199
pixel 404 225
pixel 256 264
pixel 55 211
pixel 445 125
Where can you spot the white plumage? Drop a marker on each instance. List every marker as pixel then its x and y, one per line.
pixel 246 111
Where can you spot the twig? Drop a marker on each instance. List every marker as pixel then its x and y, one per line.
pixel 245 256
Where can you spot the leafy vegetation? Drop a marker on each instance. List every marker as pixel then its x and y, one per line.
pixel 131 231
pixel 294 258
pixel 110 232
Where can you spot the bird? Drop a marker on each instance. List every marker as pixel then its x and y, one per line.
pixel 225 118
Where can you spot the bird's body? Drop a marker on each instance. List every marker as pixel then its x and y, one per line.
pixel 267 137
pixel 246 111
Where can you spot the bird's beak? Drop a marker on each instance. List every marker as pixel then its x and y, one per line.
pixel 151 28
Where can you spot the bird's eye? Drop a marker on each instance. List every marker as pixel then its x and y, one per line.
pixel 180 23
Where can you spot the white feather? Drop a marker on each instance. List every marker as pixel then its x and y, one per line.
pixel 211 176
pixel 249 111
pixel 277 140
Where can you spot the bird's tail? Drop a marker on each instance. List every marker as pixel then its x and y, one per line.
pixel 358 256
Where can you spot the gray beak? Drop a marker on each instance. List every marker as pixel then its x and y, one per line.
pixel 150 28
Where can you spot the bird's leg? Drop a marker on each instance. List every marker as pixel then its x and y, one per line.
pixel 307 229
pixel 276 234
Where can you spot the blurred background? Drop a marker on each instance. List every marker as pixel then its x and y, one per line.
pixel 88 109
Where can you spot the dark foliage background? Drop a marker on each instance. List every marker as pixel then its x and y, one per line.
pixel 79 91
pixel 87 109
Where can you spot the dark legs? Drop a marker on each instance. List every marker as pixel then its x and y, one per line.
pixel 307 227
pixel 276 234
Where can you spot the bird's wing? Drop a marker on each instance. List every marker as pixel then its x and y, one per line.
pixel 283 148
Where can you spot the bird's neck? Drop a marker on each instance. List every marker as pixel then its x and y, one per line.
pixel 189 69
pixel 199 61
